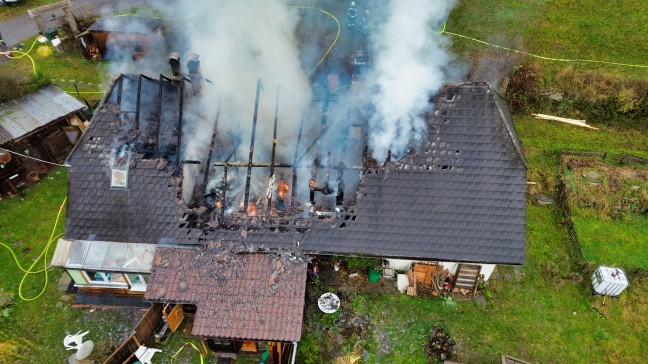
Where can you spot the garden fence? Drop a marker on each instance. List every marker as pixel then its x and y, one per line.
pixel 578 260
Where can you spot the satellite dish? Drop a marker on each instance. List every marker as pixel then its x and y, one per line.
pixel 5 157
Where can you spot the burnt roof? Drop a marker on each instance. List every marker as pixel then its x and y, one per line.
pixel 148 210
pixel 460 198
pixel 244 296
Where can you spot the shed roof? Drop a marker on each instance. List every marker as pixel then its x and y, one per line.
pixel 243 296
pixel 23 115
pixel 126 24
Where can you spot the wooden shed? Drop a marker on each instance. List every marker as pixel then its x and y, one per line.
pixel 120 37
pixel 41 126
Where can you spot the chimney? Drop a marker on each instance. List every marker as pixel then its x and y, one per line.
pixel 195 75
pixel 174 62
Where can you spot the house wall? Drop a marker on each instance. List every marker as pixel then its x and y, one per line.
pixel 121 283
pixel 404 264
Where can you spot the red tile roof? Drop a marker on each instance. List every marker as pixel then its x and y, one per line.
pixel 245 296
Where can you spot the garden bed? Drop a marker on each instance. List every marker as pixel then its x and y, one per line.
pixel 609 205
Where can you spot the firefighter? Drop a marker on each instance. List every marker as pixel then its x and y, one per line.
pixel 364 23
pixel 353 14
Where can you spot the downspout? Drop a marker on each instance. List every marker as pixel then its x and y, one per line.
pixel 294 353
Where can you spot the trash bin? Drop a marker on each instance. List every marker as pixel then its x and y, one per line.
pixel 374 275
pixel 51 33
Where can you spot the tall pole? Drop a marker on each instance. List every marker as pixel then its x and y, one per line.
pixel 254 124
pixel 180 110
pixel 274 149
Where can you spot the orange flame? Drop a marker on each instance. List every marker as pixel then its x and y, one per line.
pixel 283 189
pixel 251 210
pixel 217 204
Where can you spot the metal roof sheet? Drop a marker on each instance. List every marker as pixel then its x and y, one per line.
pixel 23 115
pixel 126 24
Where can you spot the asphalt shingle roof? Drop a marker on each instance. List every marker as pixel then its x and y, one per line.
pixel 460 198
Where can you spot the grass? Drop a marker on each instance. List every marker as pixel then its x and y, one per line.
pixel 67 66
pixel 589 29
pixel 11 11
pixel 26 226
pixel 616 243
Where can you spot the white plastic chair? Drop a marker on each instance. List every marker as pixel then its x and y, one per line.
pixel 145 354
pixel 76 339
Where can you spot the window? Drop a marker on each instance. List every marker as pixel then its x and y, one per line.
pixel 137 281
pixel 119 178
pixel 98 277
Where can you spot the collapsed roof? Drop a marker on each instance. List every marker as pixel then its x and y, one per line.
pixel 460 198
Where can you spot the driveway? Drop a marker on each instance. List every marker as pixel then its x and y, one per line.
pixel 16 29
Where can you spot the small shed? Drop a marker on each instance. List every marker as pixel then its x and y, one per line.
pixel 44 126
pixel 120 37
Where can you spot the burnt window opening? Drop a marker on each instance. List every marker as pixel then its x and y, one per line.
pixel 450 96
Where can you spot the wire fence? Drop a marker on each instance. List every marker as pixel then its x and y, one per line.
pixel 576 254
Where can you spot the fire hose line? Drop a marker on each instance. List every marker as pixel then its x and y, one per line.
pixel 336 36
pixel 183 346
pixel 23 54
pixel 43 256
pixel 444 31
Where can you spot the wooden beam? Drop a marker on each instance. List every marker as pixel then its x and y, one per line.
pixel 582 123
pixel 47 8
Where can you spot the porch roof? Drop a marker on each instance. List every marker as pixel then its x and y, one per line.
pixel 240 296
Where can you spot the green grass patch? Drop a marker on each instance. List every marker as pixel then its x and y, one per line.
pixel 26 226
pixel 616 243
pixel 589 29
pixel 10 11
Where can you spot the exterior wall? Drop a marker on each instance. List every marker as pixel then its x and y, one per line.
pixel 120 282
pixel 403 264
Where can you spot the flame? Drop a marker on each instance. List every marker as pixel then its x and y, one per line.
pixel 283 189
pixel 251 210
pixel 217 204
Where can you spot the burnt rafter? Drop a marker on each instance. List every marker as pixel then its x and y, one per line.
pixel 254 125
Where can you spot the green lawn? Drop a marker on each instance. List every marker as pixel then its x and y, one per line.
pixel 616 243
pixel 612 31
pixel 26 226
pixel 7 12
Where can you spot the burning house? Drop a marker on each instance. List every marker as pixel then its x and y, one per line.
pixel 145 218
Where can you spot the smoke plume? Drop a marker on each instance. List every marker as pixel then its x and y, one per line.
pixel 240 42
pixel 410 63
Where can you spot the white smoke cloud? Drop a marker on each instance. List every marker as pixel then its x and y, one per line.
pixel 411 61
pixel 240 42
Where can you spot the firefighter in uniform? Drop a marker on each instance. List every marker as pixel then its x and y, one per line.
pixel 353 14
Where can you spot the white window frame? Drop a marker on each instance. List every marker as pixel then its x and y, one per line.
pixel 136 287
pixel 105 282
pixel 114 180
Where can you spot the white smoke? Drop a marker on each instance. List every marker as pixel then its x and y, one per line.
pixel 240 42
pixel 411 61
